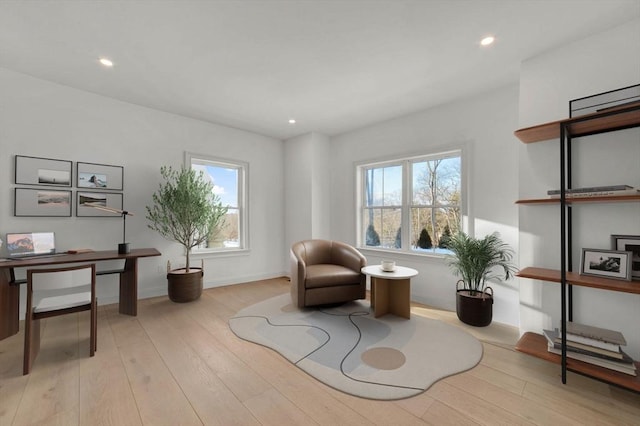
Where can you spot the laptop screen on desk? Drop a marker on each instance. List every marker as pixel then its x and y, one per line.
pixel 30 244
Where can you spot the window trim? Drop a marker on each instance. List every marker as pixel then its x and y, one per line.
pixel 407 199
pixel 243 206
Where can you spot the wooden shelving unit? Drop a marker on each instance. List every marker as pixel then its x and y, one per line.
pixel 625 116
pixel 576 200
pixel 553 276
pixel 612 119
pixel 536 345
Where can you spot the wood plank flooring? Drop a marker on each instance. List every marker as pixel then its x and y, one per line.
pixel 179 364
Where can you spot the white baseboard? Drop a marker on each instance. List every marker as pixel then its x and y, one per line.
pixel 161 290
pixel 244 279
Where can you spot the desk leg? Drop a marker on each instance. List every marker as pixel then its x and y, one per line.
pixel 129 288
pixel 9 305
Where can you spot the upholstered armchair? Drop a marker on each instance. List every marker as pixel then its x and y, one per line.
pixel 325 272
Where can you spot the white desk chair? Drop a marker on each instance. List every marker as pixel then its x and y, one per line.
pixel 48 281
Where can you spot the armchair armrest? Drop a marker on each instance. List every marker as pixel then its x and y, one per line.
pixel 298 274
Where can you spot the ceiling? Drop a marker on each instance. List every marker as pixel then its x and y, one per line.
pixel 334 66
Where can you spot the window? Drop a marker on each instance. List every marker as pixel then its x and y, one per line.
pixel 410 204
pixel 229 184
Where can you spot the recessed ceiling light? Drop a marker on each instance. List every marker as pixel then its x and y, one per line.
pixel 487 40
pixel 292 121
pixel 106 62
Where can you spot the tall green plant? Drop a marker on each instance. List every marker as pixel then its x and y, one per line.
pixel 476 260
pixel 185 209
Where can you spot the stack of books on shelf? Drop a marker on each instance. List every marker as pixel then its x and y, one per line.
pixel 596 191
pixel 594 345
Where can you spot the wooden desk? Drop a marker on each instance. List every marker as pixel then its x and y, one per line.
pixel 10 287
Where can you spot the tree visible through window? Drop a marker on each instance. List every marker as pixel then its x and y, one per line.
pixel 228 183
pixel 435 206
pixel 419 194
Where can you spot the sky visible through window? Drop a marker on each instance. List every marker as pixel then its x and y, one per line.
pixel 225 182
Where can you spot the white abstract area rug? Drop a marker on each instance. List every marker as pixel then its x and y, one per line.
pixel 348 349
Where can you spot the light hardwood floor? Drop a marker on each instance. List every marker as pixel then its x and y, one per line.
pixel 178 364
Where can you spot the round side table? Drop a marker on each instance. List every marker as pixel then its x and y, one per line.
pixel 390 291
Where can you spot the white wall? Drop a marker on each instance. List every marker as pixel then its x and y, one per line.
pixel 320 186
pixel 42 119
pixel 306 188
pixel 297 184
pixel 484 126
pixel 603 62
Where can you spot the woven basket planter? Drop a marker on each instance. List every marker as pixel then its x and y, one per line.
pixel 474 308
pixel 183 286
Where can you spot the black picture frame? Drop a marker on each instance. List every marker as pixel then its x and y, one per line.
pixel 629 243
pixel 94 176
pixel 42 171
pixel 106 199
pixel 614 264
pixel 41 202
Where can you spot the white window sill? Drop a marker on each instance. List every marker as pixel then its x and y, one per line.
pixel 210 254
pixel 381 252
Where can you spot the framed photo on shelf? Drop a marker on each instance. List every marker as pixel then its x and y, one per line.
pixel 42 171
pixel 100 176
pixel 42 202
pixel 629 243
pixel 614 264
pixel 88 203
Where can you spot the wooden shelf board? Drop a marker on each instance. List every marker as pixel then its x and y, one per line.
pixel 553 275
pixel 574 200
pixel 539 133
pixel 536 345
pixel 628 116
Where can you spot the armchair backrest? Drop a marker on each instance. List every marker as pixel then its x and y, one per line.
pixel 313 252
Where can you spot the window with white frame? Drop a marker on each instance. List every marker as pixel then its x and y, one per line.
pixel 410 204
pixel 228 178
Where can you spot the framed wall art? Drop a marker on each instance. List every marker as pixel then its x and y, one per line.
pixel 42 202
pixel 88 203
pixel 629 243
pixel 614 264
pixel 100 176
pixel 42 171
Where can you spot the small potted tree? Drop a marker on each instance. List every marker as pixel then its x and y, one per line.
pixel 185 210
pixel 475 261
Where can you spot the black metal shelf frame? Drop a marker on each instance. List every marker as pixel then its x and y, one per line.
pixel 566 224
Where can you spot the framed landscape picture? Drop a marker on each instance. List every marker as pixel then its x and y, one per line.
pixel 88 203
pixel 42 202
pixel 606 263
pixel 629 243
pixel 42 171
pixel 100 176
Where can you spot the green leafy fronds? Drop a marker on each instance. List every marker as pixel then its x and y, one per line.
pixel 476 260
pixel 185 209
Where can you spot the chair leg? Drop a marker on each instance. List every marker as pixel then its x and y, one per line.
pixel 94 330
pixel 31 343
